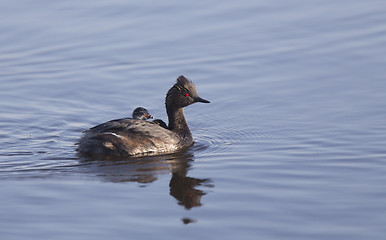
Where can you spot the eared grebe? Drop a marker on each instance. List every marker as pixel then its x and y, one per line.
pixel 141 113
pixel 127 136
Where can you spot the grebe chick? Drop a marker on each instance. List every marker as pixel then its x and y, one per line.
pixel 128 137
pixel 141 113
pixel 160 123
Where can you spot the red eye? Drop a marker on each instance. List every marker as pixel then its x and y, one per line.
pixel 187 94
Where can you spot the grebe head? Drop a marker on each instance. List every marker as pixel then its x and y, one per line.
pixel 141 113
pixel 182 94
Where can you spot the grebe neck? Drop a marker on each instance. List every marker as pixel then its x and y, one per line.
pixel 178 124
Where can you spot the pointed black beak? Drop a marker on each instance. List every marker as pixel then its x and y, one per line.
pixel 198 99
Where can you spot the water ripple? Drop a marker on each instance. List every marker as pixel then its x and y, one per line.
pixel 230 139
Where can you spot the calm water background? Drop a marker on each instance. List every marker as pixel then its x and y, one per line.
pixel 291 147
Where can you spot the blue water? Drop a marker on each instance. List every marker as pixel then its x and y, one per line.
pixel 292 145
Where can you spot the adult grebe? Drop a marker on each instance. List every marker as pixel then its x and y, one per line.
pixel 127 136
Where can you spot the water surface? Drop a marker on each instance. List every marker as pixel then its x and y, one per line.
pixel 291 146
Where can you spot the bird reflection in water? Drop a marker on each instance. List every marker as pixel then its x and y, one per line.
pixel 183 189
pixel 146 169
